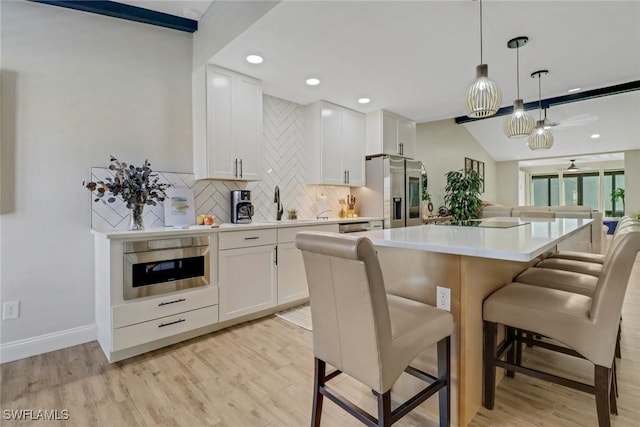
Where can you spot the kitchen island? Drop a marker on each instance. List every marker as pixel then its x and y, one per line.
pixel 473 262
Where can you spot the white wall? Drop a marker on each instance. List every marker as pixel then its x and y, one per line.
pixel 222 22
pixel 76 88
pixel 631 179
pixel 509 183
pixel 442 147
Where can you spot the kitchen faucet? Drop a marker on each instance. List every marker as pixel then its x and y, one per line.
pixel 279 208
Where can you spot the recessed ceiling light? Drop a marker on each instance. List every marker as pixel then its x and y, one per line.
pixel 364 100
pixel 313 82
pixel 575 89
pixel 254 59
pixel 595 136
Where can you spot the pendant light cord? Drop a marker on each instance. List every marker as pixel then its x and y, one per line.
pixel 540 96
pixel 518 70
pixel 481 32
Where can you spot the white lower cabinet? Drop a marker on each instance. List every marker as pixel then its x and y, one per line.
pixel 247 280
pixel 141 322
pixel 141 333
pixel 292 280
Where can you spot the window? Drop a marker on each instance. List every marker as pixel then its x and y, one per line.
pixel 582 189
pixel 544 190
pixel 613 180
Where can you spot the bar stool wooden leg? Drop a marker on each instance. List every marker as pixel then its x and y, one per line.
pixel 510 336
pixel 489 355
pixel 384 409
pixel 444 372
pixel 519 336
pixel 602 377
pixel 320 371
pixel 618 351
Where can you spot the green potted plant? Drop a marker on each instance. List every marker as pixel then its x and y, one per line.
pixel 292 214
pixel 462 194
pixel 618 194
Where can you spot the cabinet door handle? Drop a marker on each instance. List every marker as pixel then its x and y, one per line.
pixel 171 302
pixel 275 261
pixel 235 169
pixel 401 148
pixel 348 176
pixel 344 176
pixel 252 238
pixel 240 168
pixel 162 325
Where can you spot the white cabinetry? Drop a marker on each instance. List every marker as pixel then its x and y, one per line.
pixel 227 124
pixel 292 279
pixel 247 277
pixel 153 319
pixel 389 133
pixel 129 327
pixel 335 137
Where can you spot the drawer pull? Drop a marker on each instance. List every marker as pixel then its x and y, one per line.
pixel 162 325
pixel 171 302
pixel 252 238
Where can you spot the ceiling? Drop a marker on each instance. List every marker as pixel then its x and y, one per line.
pixel 192 9
pixel 417 58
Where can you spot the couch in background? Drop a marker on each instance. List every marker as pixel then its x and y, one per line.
pixel 588 240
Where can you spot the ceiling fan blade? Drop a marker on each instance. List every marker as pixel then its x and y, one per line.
pixel 575 121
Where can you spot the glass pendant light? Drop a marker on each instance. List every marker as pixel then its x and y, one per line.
pixel 540 138
pixel 519 124
pixel 483 96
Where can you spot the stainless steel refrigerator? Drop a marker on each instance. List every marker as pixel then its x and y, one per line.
pixel 393 191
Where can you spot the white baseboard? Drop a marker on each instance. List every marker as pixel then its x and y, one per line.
pixel 45 343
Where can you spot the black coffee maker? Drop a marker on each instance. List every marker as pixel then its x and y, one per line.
pixel 241 207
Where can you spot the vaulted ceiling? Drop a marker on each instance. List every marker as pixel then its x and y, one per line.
pixel 417 58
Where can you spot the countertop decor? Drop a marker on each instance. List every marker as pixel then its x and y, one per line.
pixel 137 186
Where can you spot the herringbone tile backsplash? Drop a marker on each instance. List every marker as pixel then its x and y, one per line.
pixel 284 160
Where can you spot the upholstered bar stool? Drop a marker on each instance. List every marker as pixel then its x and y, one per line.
pixel 364 332
pixel 568 280
pixel 586 325
pixel 582 262
pixel 587 256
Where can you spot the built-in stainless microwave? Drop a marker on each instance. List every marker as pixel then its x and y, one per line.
pixel 153 267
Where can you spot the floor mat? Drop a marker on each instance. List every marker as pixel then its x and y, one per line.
pixel 300 316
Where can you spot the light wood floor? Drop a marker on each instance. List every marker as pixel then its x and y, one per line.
pixel 260 374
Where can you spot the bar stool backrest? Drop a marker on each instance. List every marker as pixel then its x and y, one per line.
pixel 608 297
pixel 349 311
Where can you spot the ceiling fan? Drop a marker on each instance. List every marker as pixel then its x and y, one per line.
pixel 572 167
pixel 575 121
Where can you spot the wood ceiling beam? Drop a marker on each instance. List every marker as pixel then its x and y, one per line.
pixel 564 99
pixel 128 12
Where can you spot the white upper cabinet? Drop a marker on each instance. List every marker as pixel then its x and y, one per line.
pixel 227 125
pixel 335 138
pixel 389 133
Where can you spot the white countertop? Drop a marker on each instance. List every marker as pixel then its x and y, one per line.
pixel 203 229
pixel 520 243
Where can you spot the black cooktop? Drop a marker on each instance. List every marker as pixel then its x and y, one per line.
pixel 487 223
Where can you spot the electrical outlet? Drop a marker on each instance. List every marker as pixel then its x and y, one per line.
pixel 443 298
pixel 11 310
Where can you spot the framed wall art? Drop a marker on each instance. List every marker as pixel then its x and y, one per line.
pixel 478 167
